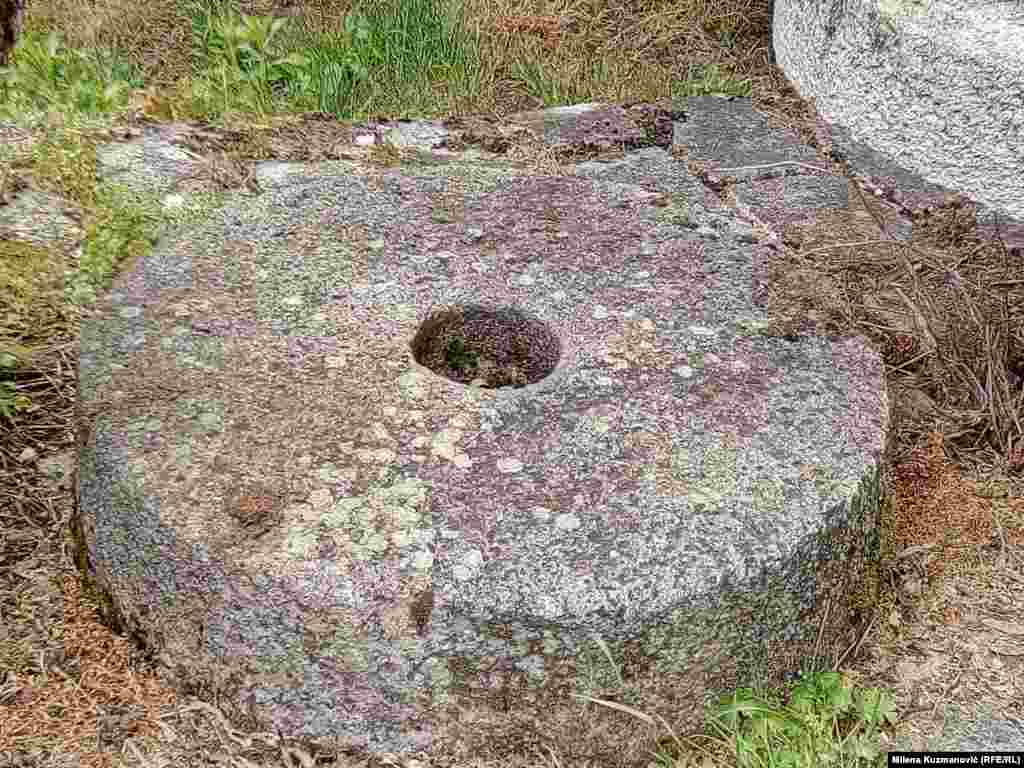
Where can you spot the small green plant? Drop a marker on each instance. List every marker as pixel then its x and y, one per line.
pixel 808 731
pixel 457 357
pixel 10 401
pixel 236 49
pixel 47 75
pixel 333 70
pixel 824 724
pixel 710 80
pixel 242 71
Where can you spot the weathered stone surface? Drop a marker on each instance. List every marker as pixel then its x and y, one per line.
pixel 935 86
pixel 380 445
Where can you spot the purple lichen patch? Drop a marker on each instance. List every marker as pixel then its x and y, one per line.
pixel 382 444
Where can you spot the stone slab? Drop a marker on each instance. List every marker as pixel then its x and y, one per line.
pixel 936 86
pixel 376 446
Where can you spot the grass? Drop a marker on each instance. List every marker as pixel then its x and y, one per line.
pixel 82 65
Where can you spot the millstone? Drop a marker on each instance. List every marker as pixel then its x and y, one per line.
pixel 373 448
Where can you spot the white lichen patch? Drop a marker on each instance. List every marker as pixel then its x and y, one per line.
pixel 440 680
pixel 541 514
pixel 829 487
pixel 672 471
pixel 656 469
pixel 415 384
pixel 281 667
pixel 444 443
pixel 677 212
pixel 893 8
pixel 718 481
pixel 344 645
pixel 769 495
pixel 190 210
pixel 567 522
pixel 396 515
pixel 384 456
pixel 331 474
pixel 681 464
pixel 751 326
pixel 301 544
pixel 637 345
pixel 205 416
pixel 469 565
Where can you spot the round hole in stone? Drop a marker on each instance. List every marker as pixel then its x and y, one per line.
pixel 488 347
